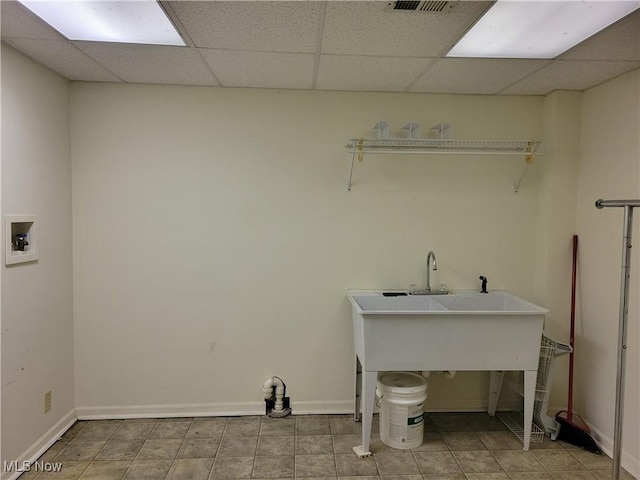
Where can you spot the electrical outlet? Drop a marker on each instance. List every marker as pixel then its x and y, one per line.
pixel 47 401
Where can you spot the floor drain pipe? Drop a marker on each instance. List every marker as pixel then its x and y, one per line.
pixel 277 404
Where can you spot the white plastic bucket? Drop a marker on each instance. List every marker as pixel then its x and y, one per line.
pixel 401 396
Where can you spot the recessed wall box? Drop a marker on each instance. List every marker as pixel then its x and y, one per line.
pixel 21 241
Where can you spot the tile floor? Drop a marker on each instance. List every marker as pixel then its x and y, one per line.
pixel 462 446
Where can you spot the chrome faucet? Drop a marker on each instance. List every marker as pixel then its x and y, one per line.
pixel 430 256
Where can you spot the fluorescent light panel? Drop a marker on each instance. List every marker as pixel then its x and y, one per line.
pixel 108 21
pixel 538 29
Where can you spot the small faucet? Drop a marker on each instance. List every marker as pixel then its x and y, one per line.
pixel 430 256
pixel 484 284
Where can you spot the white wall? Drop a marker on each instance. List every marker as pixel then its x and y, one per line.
pixel 609 169
pixel 37 323
pixel 214 237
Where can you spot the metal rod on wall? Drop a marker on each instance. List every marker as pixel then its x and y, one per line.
pixel 628 206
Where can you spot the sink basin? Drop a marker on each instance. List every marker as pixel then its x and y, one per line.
pixel 494 302
pixel 378 303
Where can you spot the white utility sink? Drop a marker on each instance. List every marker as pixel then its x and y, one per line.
pixel 494 331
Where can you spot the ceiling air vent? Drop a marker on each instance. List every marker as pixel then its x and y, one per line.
pixel 421 6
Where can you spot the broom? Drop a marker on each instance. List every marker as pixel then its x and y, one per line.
pixel 573 428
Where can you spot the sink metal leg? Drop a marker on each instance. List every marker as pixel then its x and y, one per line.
pixel 368 399
pixel 530 377
pixel 495 385
pixel 357 399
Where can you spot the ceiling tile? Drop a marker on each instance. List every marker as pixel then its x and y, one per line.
pixel 370 28
pixel 263 26
pixel 64 58
pixel 151 63
pixel 19 22
pixel 570 75
pixel 474 75
pixel 618 42
pixel 350 72
pixel 261 69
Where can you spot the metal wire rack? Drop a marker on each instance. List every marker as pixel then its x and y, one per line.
pixel 427 145
pixel 543 423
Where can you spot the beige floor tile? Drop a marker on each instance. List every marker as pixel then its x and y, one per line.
pixel 530 476
pixel 237 446
pixel 171 429
pixel 242 427
pixel 113 470
pixel 349 465
pixel 74 430
pixel 148 470
pixel 481 461
pixel 313 444
pixel 119 451
pixel 207 427
pixel 436 462
pixel 558 460
pixel 463 441
pixel 592 461
pixel 401 477
pixel 313 425
pixel 276 445
pixel 190 469
pixel 79 451
pixel 500 440
pixel 232 467
pixel 98 430
pixel 607 474
pixel 69 471
pixel 573 475
pixel 278 426
pixel 199 448
pixel 432 441
pixel 487 476
pixel 443 476
pixel 345 443
pixel 315 466
pixel 517 461
pixel 281 466
pixel 341 425
pixel 133 431
pixel 397 463
pixel 159 449
pixel 450 422
pixel 482 422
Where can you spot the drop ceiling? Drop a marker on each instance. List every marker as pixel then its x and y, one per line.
pixel 333 45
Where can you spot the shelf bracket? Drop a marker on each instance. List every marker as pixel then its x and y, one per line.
pixel 360 155
pixel 528 161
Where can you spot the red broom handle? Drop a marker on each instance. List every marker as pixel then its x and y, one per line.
pixel 573 327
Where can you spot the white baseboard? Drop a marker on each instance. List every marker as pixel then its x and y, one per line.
pixel 41 445
pixel 206 410
pixel 257 408
pixel 630 463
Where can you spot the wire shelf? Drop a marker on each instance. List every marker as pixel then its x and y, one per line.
pixel 428 145
pixel 514 421
pixel 549 351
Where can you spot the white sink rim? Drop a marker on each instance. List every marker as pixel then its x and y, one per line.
pixel 373 302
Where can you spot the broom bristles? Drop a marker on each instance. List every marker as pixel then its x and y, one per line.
pixel 576 432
